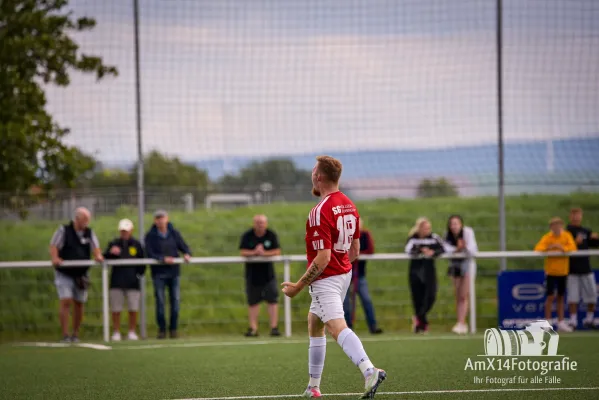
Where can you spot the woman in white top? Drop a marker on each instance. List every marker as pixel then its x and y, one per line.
pixel 460 239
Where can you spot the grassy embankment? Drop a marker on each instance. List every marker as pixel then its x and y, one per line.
pixel 213 296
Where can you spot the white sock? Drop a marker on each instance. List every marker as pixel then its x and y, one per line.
pixel 352 346
pixel 590 315
pixel 316 355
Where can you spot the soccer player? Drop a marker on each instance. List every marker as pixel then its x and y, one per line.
pixel 332 244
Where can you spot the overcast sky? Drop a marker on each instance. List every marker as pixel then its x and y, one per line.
pixel 260 78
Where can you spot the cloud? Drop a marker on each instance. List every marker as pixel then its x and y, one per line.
pixel 217 88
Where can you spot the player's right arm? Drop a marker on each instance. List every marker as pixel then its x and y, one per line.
pixel 318 265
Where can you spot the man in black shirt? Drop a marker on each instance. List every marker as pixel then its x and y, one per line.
pixel 261 283
pixel 74 241
pixel 124 280
pixel 581 280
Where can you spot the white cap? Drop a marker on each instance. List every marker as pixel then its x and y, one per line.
pixel 125 225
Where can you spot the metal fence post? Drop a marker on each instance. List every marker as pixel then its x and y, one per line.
pixel 287 300
pixel 105 310
pixel 472 290
pixel 142 308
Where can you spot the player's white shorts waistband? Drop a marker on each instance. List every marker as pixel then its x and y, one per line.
pixel 328 295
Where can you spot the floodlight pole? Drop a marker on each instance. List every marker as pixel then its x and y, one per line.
pixel 140 166
pixel 500 150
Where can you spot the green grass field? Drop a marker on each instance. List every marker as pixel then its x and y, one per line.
pixel 213 295
pixel 424 367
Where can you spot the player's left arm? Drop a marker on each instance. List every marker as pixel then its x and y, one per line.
pixel 354 250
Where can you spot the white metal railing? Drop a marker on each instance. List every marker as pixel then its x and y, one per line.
pixel 286 260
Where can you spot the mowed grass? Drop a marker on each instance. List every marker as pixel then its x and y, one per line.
pixel 213 299
pixel 418 365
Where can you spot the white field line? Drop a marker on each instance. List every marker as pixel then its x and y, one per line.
pixel 415 392
pixel 250 342
pixel 63 345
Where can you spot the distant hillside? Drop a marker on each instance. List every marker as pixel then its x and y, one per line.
pixel 572 159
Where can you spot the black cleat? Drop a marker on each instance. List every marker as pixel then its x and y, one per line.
pixel 373 382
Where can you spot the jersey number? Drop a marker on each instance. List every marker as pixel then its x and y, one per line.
pixel 346 225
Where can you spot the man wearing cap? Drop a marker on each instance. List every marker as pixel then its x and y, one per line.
pixel 164 243
pixel 556 268
pixel 124 280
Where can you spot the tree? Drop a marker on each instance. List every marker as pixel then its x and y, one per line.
pixel 163 171
pixel 436 188
pixel 286 180
pixel 36 50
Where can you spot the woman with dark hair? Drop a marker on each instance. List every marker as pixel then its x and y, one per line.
pixel 424 246
pixel 460 239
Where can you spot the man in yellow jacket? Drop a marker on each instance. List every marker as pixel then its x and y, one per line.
pixel 557 240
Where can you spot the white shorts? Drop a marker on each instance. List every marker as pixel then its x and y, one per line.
pixel 582 286
pixel 117 299
pixel 67 289
pixel 328 295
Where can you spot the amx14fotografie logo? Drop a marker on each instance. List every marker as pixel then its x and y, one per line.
pixel 532 349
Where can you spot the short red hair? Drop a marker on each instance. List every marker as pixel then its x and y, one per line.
pixel 330 167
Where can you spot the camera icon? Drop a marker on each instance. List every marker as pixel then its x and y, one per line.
pixel 538 338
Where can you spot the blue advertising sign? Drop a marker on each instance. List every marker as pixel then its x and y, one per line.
pixel 521 297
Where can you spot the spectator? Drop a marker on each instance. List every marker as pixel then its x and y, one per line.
pixel 360 286
pixel 556 268
pixel 581 279
pixel 163 243
pixel 424 245
pixel 74 241
pixel 124 281
pixel 260 281
pixel 460 239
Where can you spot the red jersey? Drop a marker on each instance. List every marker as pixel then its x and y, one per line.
pixel 332 224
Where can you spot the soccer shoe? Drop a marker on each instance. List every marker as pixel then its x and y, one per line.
pixel 74 339
pixel 562 326
pixel 132 336
pixel 65 339
pixel 312 392
pixel 116 337
pixel 373 382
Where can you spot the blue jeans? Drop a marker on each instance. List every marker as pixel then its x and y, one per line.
pixel 172 283
pixel 362 292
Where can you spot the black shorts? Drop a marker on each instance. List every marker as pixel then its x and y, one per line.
pixel 268 292
pixel 555 282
